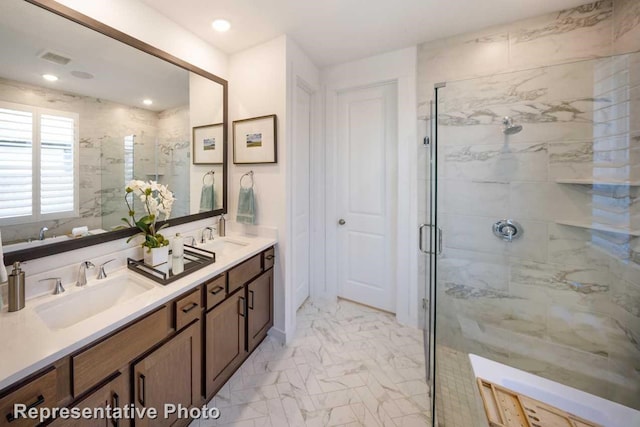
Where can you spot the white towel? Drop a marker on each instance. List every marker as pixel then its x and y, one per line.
pixel 80 231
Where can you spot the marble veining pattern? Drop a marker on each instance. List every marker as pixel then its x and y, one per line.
pixel 563 302
pixel 585 16
pixel 349 365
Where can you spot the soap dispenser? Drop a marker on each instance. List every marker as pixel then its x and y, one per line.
pixel 221 226
pixel 16 288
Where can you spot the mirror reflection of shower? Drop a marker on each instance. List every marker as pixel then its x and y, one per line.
pixel 508 128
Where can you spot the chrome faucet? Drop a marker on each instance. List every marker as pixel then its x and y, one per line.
pixel 58 288
pixel 41 235
pixel 193 240
pixel 103 274
pixel 210 229
pixel 82 273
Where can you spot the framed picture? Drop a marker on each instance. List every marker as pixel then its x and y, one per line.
pixel 255 140
pixel 208 145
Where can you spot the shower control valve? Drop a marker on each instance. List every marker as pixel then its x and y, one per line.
pixel 507 230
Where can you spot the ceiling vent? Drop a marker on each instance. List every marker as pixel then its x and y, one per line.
pixel 55 58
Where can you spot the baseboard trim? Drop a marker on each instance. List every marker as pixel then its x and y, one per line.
pixel 278 334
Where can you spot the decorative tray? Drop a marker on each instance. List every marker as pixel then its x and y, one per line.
pixel 193 259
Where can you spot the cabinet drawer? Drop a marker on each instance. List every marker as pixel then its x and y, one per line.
pixel 241 274
pixel 216 291
pixel 38 393
pixel 269 257
pixel 103 359
pixel 188 309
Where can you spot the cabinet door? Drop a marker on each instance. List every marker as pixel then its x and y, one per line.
pixel 260 304
pixel 225 336
pixel 38 393
pixel 171 374
pixel 114 394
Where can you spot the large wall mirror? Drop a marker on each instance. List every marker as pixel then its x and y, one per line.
pixel 84 109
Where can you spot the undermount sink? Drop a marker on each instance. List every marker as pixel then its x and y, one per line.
pixel 68 310
pixel 224 246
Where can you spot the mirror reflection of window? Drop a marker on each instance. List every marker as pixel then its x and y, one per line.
pixel 38 164
pixel 128 157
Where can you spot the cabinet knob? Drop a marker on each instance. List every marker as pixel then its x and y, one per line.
pixel 342 221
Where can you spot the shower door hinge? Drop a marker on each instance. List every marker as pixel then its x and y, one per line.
pixel 425 303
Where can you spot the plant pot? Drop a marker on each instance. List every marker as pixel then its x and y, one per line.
pixel 156 256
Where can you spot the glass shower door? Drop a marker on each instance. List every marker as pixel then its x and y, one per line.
pixel 555 293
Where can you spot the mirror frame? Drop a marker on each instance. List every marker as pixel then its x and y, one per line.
pixel 86 21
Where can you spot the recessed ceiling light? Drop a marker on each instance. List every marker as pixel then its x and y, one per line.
pixel 221 25
pixel 50 77
pixel 147 102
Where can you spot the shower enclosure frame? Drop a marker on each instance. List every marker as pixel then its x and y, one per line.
pixel 435 248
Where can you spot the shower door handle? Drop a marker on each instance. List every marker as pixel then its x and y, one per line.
pixel 421 227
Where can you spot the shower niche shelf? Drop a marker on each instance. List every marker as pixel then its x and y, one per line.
pixel 599 227
pixel 581 181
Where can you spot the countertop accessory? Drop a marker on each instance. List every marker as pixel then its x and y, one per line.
pixel 222 225
pixel 3 269
pixel 80 231
pixel 58 289
pixel 177 246
pixel 194 259
pixel 16 288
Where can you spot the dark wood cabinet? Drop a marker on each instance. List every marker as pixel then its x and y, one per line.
pixel 178 354
pixel 38 393
pixel 225 341
pixel 260 308
pixel 114 394
pixel 170 374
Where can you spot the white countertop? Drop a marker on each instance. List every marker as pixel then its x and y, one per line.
pixel 27 344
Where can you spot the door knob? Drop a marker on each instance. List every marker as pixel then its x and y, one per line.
pixel 342 221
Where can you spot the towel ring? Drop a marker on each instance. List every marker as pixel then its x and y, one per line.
pixel 250 175
pixel 204 177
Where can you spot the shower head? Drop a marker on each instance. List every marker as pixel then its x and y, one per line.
pixel 509 128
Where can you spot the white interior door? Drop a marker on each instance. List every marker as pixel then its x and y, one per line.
pixel 366 194
pixel 301 198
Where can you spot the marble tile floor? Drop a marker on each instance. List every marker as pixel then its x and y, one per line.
pixel 349 365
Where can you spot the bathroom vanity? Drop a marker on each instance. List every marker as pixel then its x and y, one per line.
pixel 179 348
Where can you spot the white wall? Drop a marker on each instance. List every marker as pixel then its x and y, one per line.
pixel 398 66
pixel 257 87
pixel 262 81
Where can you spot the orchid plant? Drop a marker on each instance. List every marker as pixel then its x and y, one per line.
pixel 156 200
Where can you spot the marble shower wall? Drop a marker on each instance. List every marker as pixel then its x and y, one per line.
pixel 143 125
pixel 175 147
pixel 564 301
pixel 161 152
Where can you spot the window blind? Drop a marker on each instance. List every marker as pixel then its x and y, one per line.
pixel 38 157
pixel 57 184
pixel 16 163
pixel 128 158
